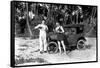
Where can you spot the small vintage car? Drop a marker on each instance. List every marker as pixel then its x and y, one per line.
pixel 74 38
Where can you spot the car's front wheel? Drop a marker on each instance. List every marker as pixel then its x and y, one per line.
pixel 81 44
pixel 52 47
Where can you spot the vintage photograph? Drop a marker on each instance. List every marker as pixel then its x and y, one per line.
pixel 52 33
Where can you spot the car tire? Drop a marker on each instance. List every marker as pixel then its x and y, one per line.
pixel 52 47
pixel 81 44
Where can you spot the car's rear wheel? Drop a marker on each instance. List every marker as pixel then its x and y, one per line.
pixel 52 47
pixel 81 44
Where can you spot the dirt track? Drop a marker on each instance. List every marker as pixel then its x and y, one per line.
pixel 29 49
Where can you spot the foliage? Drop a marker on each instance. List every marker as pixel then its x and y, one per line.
pixel 49 12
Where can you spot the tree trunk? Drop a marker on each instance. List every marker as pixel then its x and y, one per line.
pixel 28 22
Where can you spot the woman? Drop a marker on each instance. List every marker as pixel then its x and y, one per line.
pixel 59 30
pixel 42 36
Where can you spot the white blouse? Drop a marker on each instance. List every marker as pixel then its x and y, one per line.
pixel 59 29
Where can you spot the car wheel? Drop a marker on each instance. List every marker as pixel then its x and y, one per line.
pixel 81 44
pixel 52 47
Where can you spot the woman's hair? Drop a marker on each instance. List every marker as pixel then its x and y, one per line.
pixel 58 23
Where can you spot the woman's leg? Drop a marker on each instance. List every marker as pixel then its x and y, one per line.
pixel 59 46
pixel 45 44
pixel 41 44
pixel 62 42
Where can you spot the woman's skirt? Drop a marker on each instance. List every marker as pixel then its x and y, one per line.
pixel 60 36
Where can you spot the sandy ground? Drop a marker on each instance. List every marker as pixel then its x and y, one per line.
pixel 29 49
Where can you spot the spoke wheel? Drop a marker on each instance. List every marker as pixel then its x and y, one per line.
pixel 81 44
pixel 52 47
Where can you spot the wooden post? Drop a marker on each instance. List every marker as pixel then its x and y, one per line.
pixel 27 19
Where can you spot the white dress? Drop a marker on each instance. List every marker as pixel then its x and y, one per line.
pixel 42 36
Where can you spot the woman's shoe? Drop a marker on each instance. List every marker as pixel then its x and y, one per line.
pixel 41 52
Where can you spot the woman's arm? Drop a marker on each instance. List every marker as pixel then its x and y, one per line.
pixel 47 28
pixel 62 29
pixel 36 27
